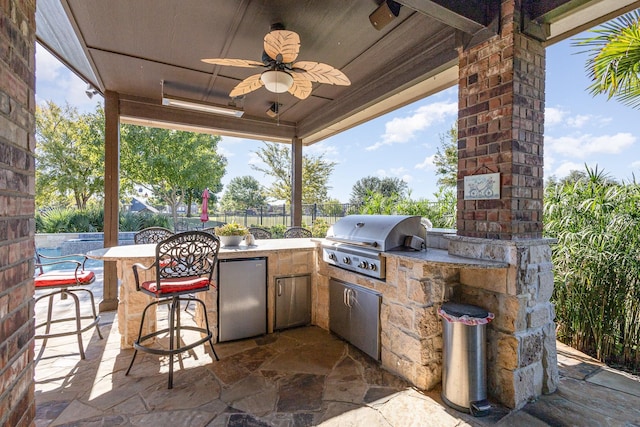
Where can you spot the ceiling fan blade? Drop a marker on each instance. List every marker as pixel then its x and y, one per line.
pixel 247 85
pixel 301 87
pixel 282 42
pixel 321 73
pixel 233 62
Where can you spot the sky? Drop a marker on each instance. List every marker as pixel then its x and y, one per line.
pixel 579 130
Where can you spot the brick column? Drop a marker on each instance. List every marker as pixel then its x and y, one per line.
pixel 17 226
pixel 500 129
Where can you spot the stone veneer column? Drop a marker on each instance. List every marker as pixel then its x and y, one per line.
pixel 17 226
pixel 521 349
pixel 500 129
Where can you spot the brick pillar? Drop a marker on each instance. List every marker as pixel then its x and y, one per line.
pixel 500 129
pixel 17 226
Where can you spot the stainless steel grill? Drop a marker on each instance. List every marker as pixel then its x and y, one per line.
pixel 356 242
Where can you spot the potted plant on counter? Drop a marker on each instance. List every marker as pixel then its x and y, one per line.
pixel 231 234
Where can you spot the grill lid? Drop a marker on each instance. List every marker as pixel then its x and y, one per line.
pixel 376 232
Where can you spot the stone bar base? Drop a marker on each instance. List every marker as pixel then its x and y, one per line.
pixel 130 313
pixel 521 347
pixel 283 259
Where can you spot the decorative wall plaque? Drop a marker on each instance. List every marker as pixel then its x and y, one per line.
pixel 480 187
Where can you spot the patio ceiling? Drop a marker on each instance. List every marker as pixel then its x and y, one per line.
pixel 131 47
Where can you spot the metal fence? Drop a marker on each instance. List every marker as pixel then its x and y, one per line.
pixel 269 216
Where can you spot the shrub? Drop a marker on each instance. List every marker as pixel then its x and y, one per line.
pixel 320 227
pixel 68 220
pixel 596 263
pixel 277 231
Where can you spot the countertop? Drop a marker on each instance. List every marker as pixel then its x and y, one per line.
pixel 261 247
pixel 441 256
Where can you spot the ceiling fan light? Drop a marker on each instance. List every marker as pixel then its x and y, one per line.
pixel 277 81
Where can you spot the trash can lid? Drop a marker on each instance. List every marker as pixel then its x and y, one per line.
pixel 460 310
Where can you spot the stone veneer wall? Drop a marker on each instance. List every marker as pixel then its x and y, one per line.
pixel 521 348
pixel 17 189
pixel 411 333
pixel 281 262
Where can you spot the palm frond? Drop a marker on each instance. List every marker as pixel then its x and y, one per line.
pixel 614 59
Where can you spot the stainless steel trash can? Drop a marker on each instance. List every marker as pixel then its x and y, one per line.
pixel 464 370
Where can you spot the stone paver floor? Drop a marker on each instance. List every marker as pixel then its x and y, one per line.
pixel 298 377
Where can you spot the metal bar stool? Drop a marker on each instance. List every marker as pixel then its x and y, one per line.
pixel 151 235
pixel 64 282
pixel 260 233
pixel 184 266
pixel 297 232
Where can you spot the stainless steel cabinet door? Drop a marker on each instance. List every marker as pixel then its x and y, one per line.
pixel 339 319
pixel 242 298
pixel 354 314
pixel 365 320
pixel 293 301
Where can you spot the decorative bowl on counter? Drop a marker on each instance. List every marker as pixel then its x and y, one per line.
pixel 231 240
pixel 231 234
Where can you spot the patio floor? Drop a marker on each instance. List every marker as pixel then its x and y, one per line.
pixel 299 377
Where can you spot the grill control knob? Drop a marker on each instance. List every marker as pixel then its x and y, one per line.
pixel 332 256
pixel 373 267
pixel 363 264
pixel 346 260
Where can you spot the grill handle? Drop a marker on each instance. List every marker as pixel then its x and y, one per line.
pixel 353 242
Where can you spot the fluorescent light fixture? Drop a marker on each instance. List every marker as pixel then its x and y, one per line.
pixel 199 106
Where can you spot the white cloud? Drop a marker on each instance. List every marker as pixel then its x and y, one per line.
pixel 581 146
pixel 407 178
pixel 558 116
pixel 400 130
pixel 566 167
pixel 47 66
pixel 400 172
pixel 636 164
pixel 227 145
pixel 427 163
pixel 55 82
pixel 579 120
pixel 254 159
pixel 397 171
pixel 553 116
pixel 330 152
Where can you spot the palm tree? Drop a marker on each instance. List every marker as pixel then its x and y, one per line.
pixel 614 59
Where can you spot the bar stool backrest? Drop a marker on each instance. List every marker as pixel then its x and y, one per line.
pixel 152 235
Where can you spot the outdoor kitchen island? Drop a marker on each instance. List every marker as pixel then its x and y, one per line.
pixel 521 353
pixel 520 344
pixel 416 285
pixel 521 350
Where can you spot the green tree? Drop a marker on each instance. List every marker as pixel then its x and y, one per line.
pixel 69 155
pixel 446 158
pixel 169 163
pixel 315 173
pixel 614 59
pixel 366 188
pixel 243 192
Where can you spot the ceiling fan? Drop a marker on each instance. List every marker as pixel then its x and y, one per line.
pixel 282 74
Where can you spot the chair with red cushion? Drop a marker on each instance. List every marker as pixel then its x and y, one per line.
pixel 65 276
pixel 183 267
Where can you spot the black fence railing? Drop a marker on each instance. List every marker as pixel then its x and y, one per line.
pixel 270 216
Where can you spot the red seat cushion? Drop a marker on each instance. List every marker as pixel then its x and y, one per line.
pixel 180 284
pixel 63 278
